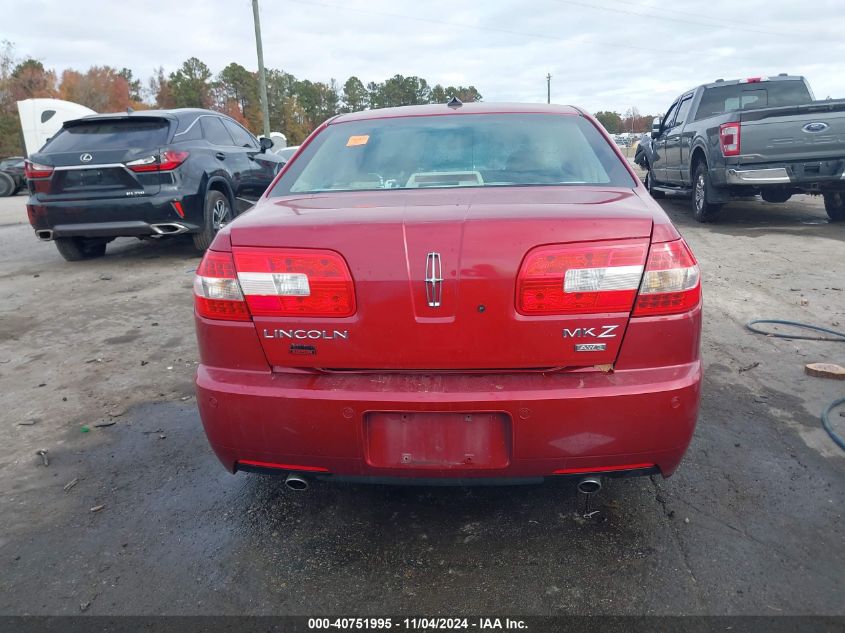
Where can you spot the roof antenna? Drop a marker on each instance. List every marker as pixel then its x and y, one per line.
pixel 454 103
pixel 129 110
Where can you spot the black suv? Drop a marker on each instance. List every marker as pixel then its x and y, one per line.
pixel 145 174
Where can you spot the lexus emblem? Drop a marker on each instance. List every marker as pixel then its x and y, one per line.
pixel 86 158
pixel 433 280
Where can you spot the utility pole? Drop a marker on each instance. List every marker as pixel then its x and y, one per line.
pixel 262 81
pixel 548 88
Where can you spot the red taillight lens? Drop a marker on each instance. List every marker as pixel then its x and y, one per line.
pixel 671 283
pixel 36 170
pixel 217 294
pixel 729 138
pixel 580 278
pixel 163 161
pixel 171 159
pixel 295 282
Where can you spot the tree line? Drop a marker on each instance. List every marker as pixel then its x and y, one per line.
pixel 296 106
pixel 631 121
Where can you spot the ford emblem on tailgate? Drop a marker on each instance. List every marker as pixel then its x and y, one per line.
pixel 815 127
pixel 86 158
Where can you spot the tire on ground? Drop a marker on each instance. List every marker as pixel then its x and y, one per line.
pixel 210 226
pixel 834 204
pixel 702 209
pixel 7 185
pixel 75 249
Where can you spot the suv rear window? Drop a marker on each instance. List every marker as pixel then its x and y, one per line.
pixel 475 150
pixel 763 94
pixel 109 135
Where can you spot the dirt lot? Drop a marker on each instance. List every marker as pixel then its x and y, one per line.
pixel 751 524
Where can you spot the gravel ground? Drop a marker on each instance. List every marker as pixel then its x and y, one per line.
pixel 751 523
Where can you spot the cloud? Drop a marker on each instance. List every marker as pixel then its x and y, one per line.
pixel 602 54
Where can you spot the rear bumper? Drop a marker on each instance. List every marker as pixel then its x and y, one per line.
pixel 115 229
pixel 111 217
pixel 626 422
pixel 771 176
pixel 800 174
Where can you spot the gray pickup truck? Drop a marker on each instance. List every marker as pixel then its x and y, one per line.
pixel 763 135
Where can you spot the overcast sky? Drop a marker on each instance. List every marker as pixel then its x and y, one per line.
pixel 602 54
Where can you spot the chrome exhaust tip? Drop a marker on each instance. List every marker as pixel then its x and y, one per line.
pixel 295 482
pixel 169 228
pixel 589 485
pixel 45 235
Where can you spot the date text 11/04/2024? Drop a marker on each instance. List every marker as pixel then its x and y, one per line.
pixel 416 624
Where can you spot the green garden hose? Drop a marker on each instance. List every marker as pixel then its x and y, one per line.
pixel 827 425
pixel 835 337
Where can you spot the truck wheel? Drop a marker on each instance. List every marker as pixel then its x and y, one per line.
pixel 702 209
pixel 649 184
pixel 834 204
pixel 7 185
pixel 75 249
pixel 218 213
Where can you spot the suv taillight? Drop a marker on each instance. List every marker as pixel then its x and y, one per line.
pixel 166 160
pixel 217 294
pixel 729 138
pixel 295 282
pixel 580 278
pixel 36 170
pixel 671 283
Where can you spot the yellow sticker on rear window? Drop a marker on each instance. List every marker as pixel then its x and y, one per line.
pixel 357 140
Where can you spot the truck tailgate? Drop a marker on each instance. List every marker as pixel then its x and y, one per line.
pixel 815 131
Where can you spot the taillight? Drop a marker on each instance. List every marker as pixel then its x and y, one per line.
pixel 36 170
pixel 217 294
pixel 580 278
pixel 163 161
pixel 295 282
pixel 671 281
pixel 729 138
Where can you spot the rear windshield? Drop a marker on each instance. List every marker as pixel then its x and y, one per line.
pixel 109 135
pixel 764 94
pixel 468 150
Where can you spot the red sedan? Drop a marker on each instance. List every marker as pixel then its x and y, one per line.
pixel 481 293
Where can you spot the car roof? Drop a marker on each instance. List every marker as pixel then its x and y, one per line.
pixel 173 113
pixel 466 108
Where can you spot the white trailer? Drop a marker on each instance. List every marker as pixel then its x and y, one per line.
pixel 42 118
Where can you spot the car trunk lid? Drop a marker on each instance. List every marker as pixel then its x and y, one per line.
pixel 455 311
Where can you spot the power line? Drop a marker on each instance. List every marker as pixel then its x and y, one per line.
pixel 657 16
pixel 493 29
pixel 697 15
